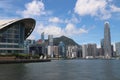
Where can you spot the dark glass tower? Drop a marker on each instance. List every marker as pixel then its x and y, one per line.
pixel 12 38
pixel 13 32
pixel 107 40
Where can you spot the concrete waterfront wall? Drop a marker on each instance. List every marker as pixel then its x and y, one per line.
pixel 23 61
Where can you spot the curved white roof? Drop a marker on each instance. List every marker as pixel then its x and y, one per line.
pixel 29 24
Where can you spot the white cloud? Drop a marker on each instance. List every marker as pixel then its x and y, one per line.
pixel 55 20
pixel 114 8
pixel 97 8
pixel 34 8
pixel 32 37
pixel 85 7
pixel 69 30
pixel 49 29
pixel 73 19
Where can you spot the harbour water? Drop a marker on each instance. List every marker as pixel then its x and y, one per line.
pixel 62 70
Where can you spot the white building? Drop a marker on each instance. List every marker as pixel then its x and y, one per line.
pixel 84 51
pixel 117 46
pixel 72 51
pixel 55 51
pixel 89 51
pixel 50 51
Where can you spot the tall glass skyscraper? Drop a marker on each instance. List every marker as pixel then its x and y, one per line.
pixel 50 40
pixel 42 37
pixel 107 40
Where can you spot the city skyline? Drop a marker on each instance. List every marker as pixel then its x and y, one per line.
pixel 79 20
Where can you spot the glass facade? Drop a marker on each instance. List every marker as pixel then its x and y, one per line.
pixel 12 38
pixel 107 41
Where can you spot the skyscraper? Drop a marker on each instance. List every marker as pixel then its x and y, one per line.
pixel 50 45
pixel 61 49
pixel 84 51
pixel 102 48
pixel 117 45
pixel 107 40
pixel 50 40
pixel 92 50
pixel 42 37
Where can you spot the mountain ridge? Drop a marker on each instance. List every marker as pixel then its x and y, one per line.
pixel 65 40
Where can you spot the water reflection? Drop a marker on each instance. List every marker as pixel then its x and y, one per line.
pixel 12 71
pixel 62 70
pixel 108 70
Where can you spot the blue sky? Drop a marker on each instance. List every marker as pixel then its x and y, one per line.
pixel 81 20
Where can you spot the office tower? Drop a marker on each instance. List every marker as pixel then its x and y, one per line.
pixel 72 51
pixel 92 50
pixel 50 51
pixel 117 46
pixel 79 51
pixel 102 48
pixel 50 45
pixel 107 40
pixel 112 51
pixel 99 52
pixel 62 49
pixel 50 40
pixel 42 37
pixel 55 51
pixel 84 51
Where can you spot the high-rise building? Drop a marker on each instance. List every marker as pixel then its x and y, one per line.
pixel 107 41
pixel 99 52
pixel 62 52
pixel 55 51
pixel 84 51
pixel 117 46
pixel 72 51
pixel 92 50
pixel 102 48
pixel 50 51
pixel 42 37
pixel 50 45
pixel 112 51
pixel 50 40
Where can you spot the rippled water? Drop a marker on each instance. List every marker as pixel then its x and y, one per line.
pixel 62 70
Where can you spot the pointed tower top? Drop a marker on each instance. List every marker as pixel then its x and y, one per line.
pixel 106 22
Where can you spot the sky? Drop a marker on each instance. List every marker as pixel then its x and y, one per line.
pixel 81 20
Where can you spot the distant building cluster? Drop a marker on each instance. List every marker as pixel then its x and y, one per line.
pixel 47 48
pixel 105 51
pixel 86 51
pixel 13 34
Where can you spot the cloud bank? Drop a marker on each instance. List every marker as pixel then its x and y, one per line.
pixel 34 8
pixel 95 8
pixel 69 30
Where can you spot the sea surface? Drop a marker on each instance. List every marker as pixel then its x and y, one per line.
pixel 62 70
